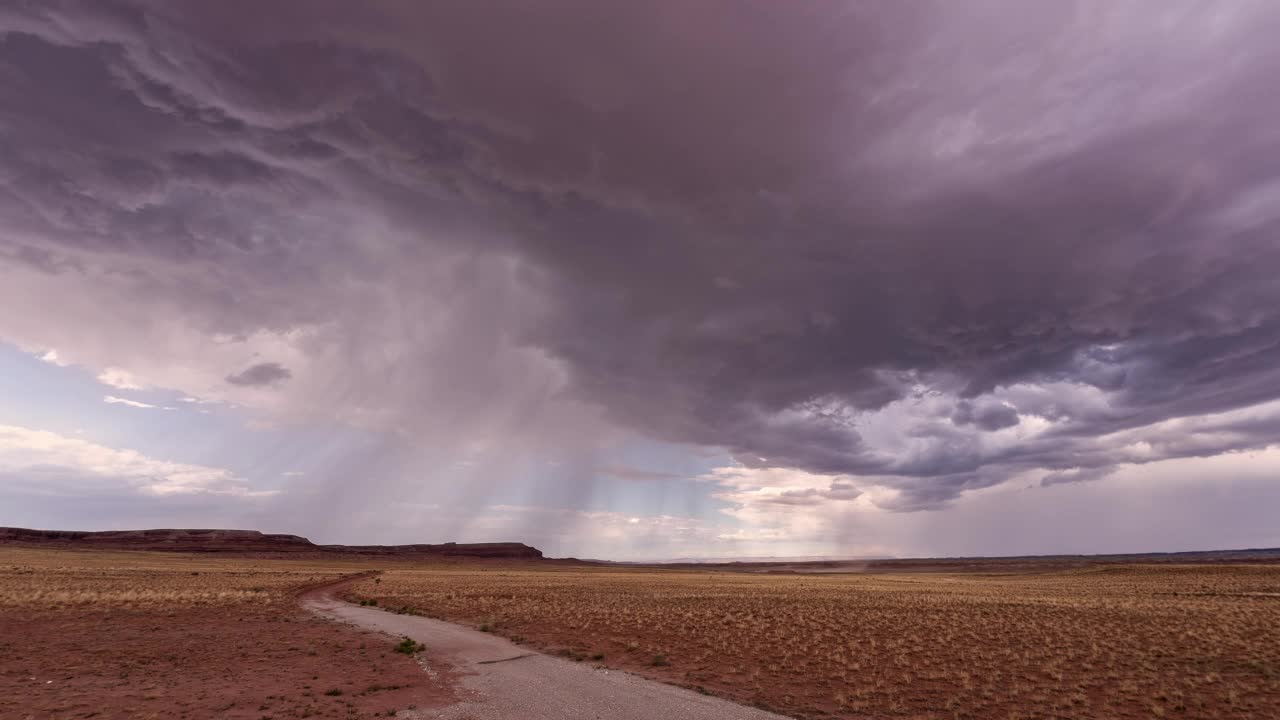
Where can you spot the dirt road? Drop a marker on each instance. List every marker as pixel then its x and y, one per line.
pixel 504 681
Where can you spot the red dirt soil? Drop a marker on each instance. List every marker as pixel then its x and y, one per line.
pixel 218 662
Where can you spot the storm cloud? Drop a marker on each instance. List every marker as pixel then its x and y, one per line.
pixel 267 373
pixel 928 246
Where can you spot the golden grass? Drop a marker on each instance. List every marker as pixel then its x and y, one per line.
pixel 32 579
pixel 1122 641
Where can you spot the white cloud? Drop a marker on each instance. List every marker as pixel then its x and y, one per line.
pixel 27 455
pixel 51 356
pixel 744 486
pixel 113 400
pixel 605 534
pixel 120 379
pixel 751 530
pixel 197 401
pixel 787 512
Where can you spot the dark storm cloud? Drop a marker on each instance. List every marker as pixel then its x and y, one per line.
pixel 262 374
pixel 809 496
pixel 746 225
pixel 1074 476
pixel 843 491
pixel 988 417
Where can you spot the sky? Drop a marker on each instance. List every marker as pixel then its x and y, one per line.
pixel 645 280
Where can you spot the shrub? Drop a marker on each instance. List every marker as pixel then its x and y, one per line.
pixel 408 646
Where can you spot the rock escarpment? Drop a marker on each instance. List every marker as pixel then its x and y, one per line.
pixel 214 540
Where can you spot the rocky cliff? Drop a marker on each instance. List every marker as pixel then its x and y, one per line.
pixel 187 540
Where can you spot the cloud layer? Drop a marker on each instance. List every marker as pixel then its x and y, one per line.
pixel 267 373
pixel 921 247
pixel 45 463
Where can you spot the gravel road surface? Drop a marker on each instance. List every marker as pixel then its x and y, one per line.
pixel 504 681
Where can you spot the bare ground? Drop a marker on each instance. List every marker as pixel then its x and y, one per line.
pixel 236 662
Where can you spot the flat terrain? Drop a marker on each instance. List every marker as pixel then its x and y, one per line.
pixel 1122 641
pixel 498 680
pixel 157 635
pixel 110 634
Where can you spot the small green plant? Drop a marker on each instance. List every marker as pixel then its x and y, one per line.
pixel 408 646
pixel 659 661
pixel 373 602
pixel 333 693
pixel 484 627
pixel 598 656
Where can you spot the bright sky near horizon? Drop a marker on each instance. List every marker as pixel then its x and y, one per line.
pixel 644 281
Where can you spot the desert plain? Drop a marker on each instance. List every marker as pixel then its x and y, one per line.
pixel 104 634
pixel 142 634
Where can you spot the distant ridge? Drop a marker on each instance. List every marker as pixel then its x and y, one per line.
pixel 216 540
pixel 770 559
pixel 953 564
pixel 1008 563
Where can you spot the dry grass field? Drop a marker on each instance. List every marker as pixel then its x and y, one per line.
pixel 94 634
pixel 66 579
pixel 1124 641
pixel 153 635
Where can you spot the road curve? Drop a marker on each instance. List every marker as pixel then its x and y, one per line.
pixel 504 681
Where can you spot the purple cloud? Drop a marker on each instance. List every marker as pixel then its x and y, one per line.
pixel 857 240
pixel 261 374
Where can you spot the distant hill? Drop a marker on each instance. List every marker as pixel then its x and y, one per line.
pixel 211 540
pixel 1009 564
pixel 768 559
